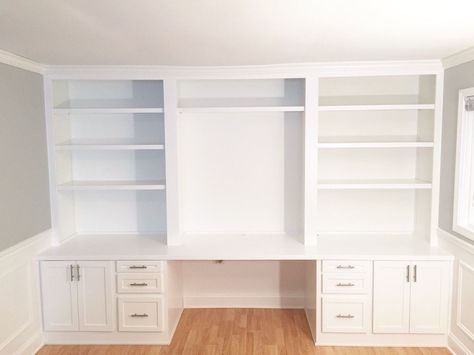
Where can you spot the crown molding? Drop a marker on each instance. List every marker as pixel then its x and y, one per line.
pixel 21 62
pixel 295 70
pixel 462 57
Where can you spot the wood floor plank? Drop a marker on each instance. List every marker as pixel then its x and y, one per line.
pixel 239 332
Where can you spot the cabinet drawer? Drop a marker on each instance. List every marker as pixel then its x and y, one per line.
pixel 139 283
pixel 140 313
pixel 346 266
pixel 355 283
pixel 139 266
pixel 345 314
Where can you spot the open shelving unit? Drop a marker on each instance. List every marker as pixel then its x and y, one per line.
pixel 109 157
pixel 375 155
pixel 290 157
pixel 240 157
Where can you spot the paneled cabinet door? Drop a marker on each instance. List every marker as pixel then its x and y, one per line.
pixel 59 296
pixel 429 299
pixel 95 295
pixel 391 303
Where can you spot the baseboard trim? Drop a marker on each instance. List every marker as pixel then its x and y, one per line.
pixel 32 346
pixel 456 346
pixel 243 302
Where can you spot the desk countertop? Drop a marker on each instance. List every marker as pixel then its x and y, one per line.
pixel 267 247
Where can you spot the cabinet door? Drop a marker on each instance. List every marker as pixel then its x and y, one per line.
pixel 391 297
pixel 429 299
pixel 59 295
pixel 95 295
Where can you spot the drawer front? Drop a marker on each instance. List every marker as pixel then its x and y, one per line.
pixel 346 266
pixel 345 314
pixel 139 283
pixel 346 283
pixel 139 266
pixel 140 313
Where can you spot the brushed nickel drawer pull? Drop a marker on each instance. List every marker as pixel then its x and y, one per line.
pixel 346 316
pixel 135 315
pixel 139 284
pixel 71 269
pixel 414 274
pixel 345 267
pixel 349 284
pixel 137 267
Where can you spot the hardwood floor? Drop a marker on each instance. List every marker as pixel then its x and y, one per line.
pixel 237 331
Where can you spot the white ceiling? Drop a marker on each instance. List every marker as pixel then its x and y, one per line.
pixel 225 32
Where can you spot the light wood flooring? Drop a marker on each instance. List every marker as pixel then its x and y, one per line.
pixel 237 331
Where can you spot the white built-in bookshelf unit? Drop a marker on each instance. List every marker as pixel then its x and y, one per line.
pixel 298 156
pixel 109 157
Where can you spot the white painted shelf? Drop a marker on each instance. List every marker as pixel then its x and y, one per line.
pixel 108 145
pixel 377 107
pixel 385 184
pixel 241 109
pixel 112 185
pixel 372 142
pixel 88 111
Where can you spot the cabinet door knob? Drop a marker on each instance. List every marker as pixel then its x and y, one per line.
pixel 135 315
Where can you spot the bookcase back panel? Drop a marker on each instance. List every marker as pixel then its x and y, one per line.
pixel 241 172
pixel 120 212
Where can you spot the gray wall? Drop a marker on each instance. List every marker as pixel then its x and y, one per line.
pixel 24 195
pixel 455 78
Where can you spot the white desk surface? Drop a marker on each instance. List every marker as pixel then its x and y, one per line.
pixel 268 247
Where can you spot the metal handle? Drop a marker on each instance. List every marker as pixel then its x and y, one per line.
pixel 345 267
pixel 345 316
pixel 71 270
pixel 135 315
pixel 137 267
pixel 408 273
pixel 139 284
pixel 78 273
pixel 414 273
pixel 349 284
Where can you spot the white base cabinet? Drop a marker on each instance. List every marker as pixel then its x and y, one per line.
pixel 107 302
pixel 411 297
pixel 77 296
pixel 382 302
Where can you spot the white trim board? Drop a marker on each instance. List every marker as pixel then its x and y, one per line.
pixel 228 301
pixel 459 58
pixel 456 346
pixel 451 238
pixel 21 62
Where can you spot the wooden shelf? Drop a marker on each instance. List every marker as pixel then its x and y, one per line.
pixel 385 184
pixel 377 107
pixel 89 111
pixel 107 145
pixel 112 185
pixel 211 109
pixel 372 142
